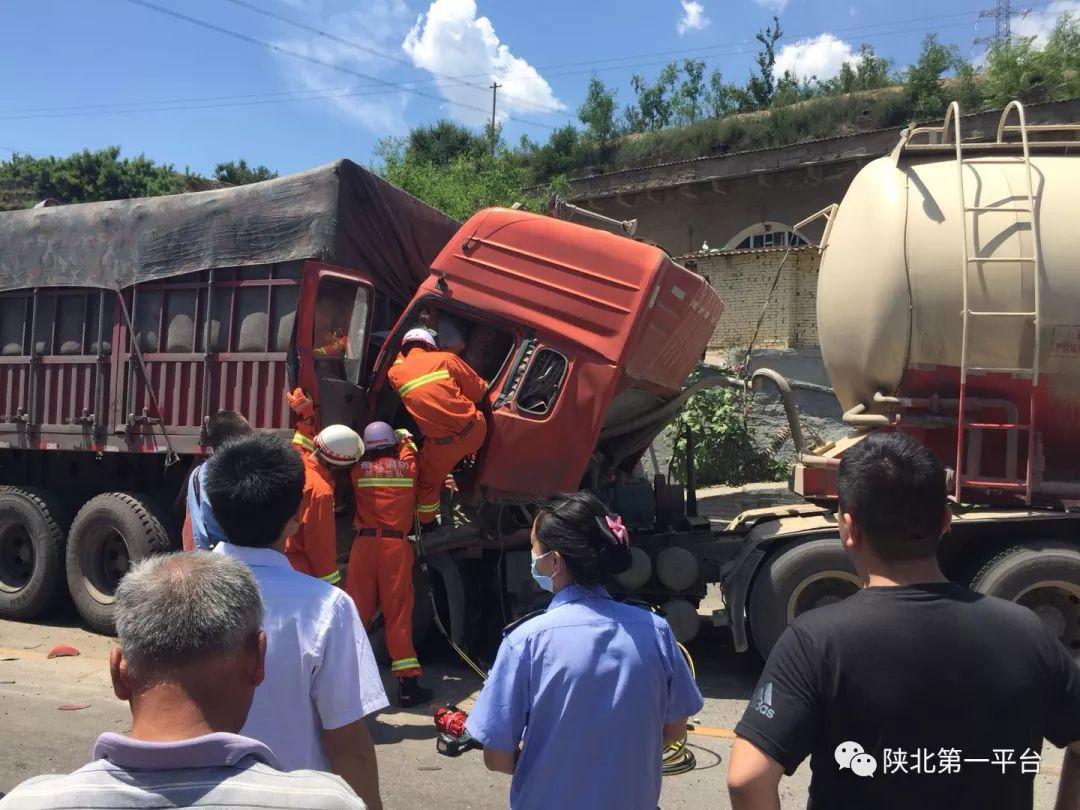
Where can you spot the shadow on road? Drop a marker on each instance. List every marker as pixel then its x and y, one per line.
pixel 723 673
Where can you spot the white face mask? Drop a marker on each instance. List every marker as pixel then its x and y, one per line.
pixel 545 582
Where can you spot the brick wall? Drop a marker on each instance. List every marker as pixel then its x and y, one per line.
pixel 743 279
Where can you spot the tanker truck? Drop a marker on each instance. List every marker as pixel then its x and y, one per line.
pixel 949 309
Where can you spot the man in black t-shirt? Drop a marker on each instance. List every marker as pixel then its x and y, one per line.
pixel 915 692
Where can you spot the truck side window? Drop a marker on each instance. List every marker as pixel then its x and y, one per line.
pixel 341 321
pixel 542 382
pixel 14 314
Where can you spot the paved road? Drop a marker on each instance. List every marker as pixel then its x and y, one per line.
pixel 39 738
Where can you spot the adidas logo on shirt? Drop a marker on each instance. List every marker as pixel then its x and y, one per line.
pixel 761 701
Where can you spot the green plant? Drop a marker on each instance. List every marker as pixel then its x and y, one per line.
pixel 724 448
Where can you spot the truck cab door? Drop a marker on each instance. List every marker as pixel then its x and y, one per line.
pixel 332 342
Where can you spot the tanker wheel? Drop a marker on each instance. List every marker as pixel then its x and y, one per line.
pixel 109 533
pixel 1044 577
pixel 32 534
pixel 802 577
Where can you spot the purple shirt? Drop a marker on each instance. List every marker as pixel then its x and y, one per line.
pixel 209 751
pixel 216 770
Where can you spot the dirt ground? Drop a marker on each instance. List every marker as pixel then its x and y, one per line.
pixel 40 737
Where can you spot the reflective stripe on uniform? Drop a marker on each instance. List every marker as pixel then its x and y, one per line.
pixel 383 482
pixel 404 663
pixel 302 440
pixel 333 578
pixel 427 507
pixel 412 385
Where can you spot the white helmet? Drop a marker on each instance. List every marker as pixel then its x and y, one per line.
pixel 339 446
pixel 419 336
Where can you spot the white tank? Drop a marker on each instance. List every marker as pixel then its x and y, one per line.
pixel 890 292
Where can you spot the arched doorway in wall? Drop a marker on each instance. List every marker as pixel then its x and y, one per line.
pixel 766 235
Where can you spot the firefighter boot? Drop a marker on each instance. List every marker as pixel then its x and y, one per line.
pixel 411 693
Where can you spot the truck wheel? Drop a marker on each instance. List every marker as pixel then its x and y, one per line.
pixel 802 577
pixel 32 532
pixel 109 533
pixel 1044 577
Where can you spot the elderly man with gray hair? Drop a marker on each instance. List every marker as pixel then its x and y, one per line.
pixel 191 655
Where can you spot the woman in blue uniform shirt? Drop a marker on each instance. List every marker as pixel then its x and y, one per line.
pixel 583 697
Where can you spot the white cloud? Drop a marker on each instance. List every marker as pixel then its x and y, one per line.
pixel 1039 24
pixel 376 24
pixel 820 56
pixel 450 40
pixel 693 17
pixel 773 5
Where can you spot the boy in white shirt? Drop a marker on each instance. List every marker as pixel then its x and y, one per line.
pixel 321 676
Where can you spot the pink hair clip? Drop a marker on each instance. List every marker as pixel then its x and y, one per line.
pixel 615 526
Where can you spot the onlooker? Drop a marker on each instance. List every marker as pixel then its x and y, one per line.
pixel 201 528
pixel 915 692
pixel 190 658
pixel 321 678
pixel 591 688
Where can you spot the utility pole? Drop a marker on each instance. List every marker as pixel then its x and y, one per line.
pixel 1002 14
pixel 494 92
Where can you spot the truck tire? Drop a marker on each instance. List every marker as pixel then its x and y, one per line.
pixel 33 529
pixel 109 533
pixel 1042 576
pixel 799 578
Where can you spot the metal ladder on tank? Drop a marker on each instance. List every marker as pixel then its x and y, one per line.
pixel 1032 264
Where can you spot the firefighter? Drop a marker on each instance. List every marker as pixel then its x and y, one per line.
pixel 313 549
pixel 381 559
pixel 440 391
pixel 335 345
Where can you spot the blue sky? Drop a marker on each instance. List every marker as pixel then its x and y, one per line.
pixel 80 74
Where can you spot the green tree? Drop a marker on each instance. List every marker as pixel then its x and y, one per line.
pixel 762 85
pixel 653 108
pixel 724 98
pixel 597 112
pixel 923 82
pixel 1061 57
pixel 1023 70
pixel 689 99
pixel 238 173
pixel 90 176
pixel 444 141
pixel 868 72
pixel 460 187
pixel 724 448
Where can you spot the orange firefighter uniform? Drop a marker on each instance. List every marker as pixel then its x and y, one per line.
pixel 440 390
pixel 381 559
pixel 313 549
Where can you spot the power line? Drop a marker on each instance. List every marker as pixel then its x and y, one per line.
pixel 381 54
pixel 322 94
pixel 212 102
pixel 315 61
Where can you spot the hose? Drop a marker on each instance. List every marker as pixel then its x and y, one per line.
pixel 677 758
